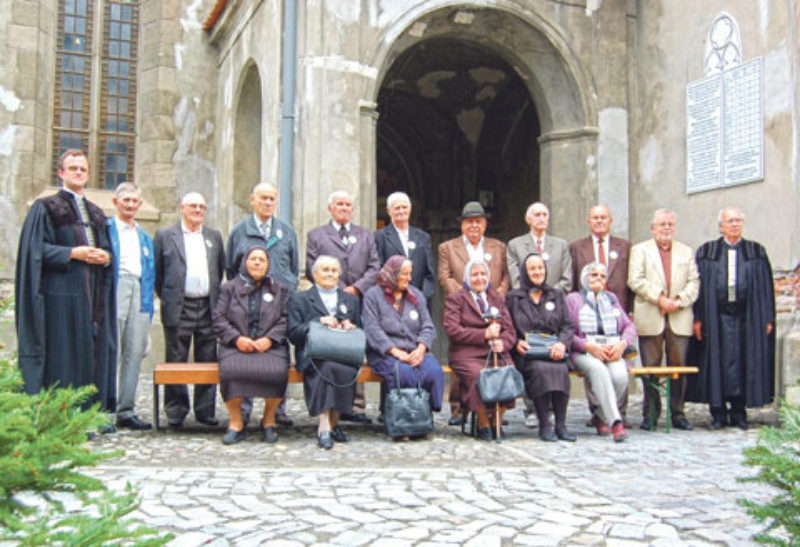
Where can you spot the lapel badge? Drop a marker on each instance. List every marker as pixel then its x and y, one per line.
pixel 279 233
pixel 268 298
pixel 613 255
pixel 545 256
pixel 549 306
pixel 413 314
pixel 493 311
pixel 145 251
pixel 352 240
pixel 412 245
pixel 343 308
pixel 209 244
pixel 487 257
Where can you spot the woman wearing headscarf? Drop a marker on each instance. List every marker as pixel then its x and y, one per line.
pixel 538 308
pixel 250 320
pixel 602 333
pixel 328 386
pixel 477 322
pixel 400 331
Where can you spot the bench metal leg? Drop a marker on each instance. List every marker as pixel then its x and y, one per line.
pixel 666 405
pixel 651 381
pixel 155 404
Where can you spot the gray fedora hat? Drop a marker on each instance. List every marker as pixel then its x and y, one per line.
pixel 473 209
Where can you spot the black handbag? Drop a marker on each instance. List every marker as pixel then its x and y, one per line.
pixel 408 409
pixel 540 344
pixel 499 384
pixel 341 346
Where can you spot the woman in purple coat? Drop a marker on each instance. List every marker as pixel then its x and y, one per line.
pixel 603 331
pixel 400 331
pixel 250 319
pixel 476 320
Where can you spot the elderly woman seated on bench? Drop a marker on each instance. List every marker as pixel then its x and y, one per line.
pixel 250 319
pixel 329 387
pixel 400 332
pixel 603 331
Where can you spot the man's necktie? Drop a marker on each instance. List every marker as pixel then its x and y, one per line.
pixel 601 252
pixel 539 245
pixel 343 234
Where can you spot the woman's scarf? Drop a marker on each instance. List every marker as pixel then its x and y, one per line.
pixel 250 283
pixel 525 282
pixel 387 281
pixel 598 308
pixel 479 297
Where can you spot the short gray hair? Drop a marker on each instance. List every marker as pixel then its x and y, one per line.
pixel 323 260
pixel 265 186
pixel 193 197
pixel 395 197
pixel 533 206
pixel 338 194
pixel 127 188
pixel 728 208
pixel 663 211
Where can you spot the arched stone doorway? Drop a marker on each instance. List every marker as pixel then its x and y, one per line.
pixel 488 104
pixel 247 141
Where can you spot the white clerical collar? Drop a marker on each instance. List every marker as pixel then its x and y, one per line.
pixel 186 229
pixel 730 243
pixel 338 226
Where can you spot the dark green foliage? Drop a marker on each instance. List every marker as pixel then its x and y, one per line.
pixel 43 446
pixel 777 457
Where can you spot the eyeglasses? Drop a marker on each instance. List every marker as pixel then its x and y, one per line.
pixel 77 169
pixel 733 221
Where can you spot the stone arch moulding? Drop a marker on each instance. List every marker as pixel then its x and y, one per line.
pixel 558 82
pixel 560 85
pixel 245 147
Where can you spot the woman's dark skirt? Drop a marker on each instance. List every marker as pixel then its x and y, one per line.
pixel 467 371
pixel 321 394
pixel 544 376
pixel 252 374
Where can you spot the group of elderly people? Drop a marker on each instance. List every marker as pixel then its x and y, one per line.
pixel 255 317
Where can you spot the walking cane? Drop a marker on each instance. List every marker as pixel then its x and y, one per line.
pixel 497 419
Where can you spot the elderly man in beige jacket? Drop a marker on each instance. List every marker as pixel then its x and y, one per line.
pixel 663 276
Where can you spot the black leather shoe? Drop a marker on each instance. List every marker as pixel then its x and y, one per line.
pixel 207 420
pixel 484 434
pixel 682 423
pixel 245 419
pixel 741 423
pixel 646 425
pixel 232 436
pixel 176 424
pixel 547 435
pixel 380 418
pixel 564 435
pixel 107 429
pixel 134 423
pixel 338 435
pixel 504 422
pixel 270 434
pixel 284 420
pixel 717 423
pixel 456 420
pixel 325 441
pixel 359 418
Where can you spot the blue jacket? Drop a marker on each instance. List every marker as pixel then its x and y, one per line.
pixel 148 279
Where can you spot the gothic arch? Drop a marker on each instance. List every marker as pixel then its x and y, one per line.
pixel 246 137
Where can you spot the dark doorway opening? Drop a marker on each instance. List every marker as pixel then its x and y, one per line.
pixel 457 123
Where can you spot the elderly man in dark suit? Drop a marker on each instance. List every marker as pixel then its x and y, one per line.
pixel 453 257
pixel 354 248
pixel 399 238
pixel 190 262
pixel 555 253
pixel 613 252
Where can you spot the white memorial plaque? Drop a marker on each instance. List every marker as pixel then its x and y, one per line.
pixel 743 137
pixel 704 134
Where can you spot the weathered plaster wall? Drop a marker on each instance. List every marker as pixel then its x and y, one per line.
pixel 669 54
pixel 26 77
pixel 247 37
pixel 176 116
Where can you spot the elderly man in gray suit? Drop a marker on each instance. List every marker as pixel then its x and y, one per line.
pixel 355 249
pixel 190 262
pixel 263 229
pixel 555 253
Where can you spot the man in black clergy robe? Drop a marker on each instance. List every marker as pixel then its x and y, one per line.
pixel 734 337
pixel 64 289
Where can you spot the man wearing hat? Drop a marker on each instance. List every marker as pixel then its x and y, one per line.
pixel 453 257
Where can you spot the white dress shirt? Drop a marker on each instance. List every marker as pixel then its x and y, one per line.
pixel 130 257
pixel 475 253
pixel 196 285
pixel 403 235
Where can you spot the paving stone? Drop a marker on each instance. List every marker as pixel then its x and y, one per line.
pixel 630 531
pixel 190 539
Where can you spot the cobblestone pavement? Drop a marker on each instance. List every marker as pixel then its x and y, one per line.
pixel 655 488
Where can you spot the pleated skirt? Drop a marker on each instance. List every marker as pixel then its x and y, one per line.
pixel 253 374
pixel 544 376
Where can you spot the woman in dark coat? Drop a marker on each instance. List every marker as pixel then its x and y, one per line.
pixel 250 320
pixel 400 331
pixel 328 386
pixel 539 308
pixel 476 319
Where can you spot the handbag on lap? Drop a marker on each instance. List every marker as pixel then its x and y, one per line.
pixel 341 346
pixel 408 409
pixel 540 345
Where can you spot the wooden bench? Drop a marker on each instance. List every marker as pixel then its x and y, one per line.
pixel 653 376
pixel 208 373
